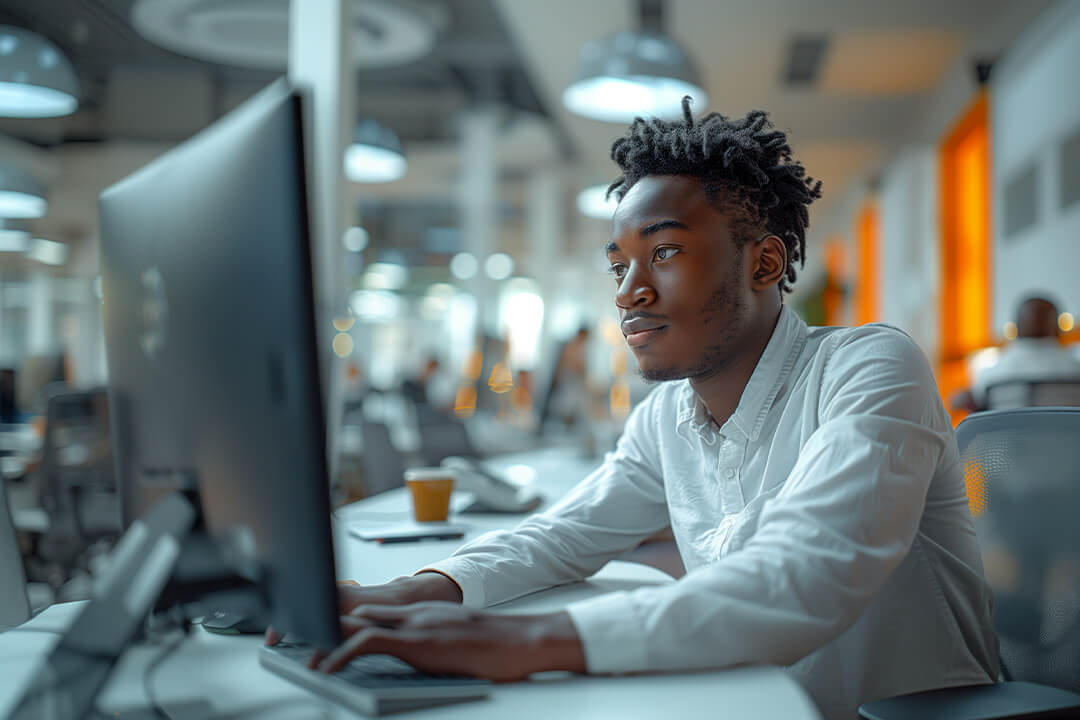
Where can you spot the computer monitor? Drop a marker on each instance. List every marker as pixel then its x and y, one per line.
pixel 217 419
pixel 8 407
pixel 211 349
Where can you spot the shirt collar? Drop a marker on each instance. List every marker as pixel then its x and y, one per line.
pixel 769 376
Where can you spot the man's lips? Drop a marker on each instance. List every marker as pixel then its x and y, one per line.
pixel 640 330
pixel 636 339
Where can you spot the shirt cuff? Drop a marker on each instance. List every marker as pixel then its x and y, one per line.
pixel 612 640
pixel 465 574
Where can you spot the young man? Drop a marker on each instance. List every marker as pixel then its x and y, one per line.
pixel 810 475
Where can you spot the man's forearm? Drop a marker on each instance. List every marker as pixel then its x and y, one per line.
pixel 430 585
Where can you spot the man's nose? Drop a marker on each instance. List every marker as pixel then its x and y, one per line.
pixel 635 291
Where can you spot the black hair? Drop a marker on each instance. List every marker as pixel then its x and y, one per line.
pixel 745 166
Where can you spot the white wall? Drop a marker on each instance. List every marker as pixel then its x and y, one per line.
pixel 909 255
pixel 1035 105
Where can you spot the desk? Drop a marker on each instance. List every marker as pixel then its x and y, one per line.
pixel 212 674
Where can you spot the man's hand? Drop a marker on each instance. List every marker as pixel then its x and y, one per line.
pixel 424 587
pixel 445 638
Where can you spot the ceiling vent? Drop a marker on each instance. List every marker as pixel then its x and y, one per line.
pixel 805 54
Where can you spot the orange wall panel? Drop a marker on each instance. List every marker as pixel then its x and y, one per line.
pixel 868 283
pixel 965 244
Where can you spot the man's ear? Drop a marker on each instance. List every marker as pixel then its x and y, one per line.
pixel 770 262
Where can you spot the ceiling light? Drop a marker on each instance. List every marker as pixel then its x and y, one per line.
pixel 36 79
pixel 47 252
pixel 375 155
pixel 498 266
pixel 631 74
pixel 376 305
pixel 593 202
pixel 385 276
pixel 15 241
pixel 355 239
pixel 20 195
pixel 463 266
pixel 255 33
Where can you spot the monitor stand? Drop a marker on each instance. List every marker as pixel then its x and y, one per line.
pixel 141 565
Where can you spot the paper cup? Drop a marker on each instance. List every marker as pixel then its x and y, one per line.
pixel 430 491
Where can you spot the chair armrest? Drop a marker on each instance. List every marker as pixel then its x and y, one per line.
pixel 977 702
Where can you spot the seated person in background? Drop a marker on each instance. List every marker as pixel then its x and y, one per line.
pixel 568 396
pixel 1035 354
pixel 431 387
pixel 810 475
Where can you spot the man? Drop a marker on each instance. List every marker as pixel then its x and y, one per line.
pixel 810 476
pixel 1035 354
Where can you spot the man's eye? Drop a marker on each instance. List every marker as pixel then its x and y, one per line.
pixel 665 253
pixel 618 270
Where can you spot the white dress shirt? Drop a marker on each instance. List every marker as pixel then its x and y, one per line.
pixel 1027 358
pixel 824 527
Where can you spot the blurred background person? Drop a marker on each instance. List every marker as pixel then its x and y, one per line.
pixel 431 386
pixel 1036 354
pixel 567 399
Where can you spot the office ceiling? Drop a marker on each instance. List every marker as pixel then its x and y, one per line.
pixel 881 59
pixel 473 60
pixel 879 62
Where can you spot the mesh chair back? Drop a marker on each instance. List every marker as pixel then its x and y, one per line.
pixel 1022 469
pixel 1033 393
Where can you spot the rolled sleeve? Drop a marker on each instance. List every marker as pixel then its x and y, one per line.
pixel 601 623
pixel 467 576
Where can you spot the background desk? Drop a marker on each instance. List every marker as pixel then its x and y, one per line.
pixel 219 675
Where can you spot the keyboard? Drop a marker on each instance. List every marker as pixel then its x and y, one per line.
pixel 372 684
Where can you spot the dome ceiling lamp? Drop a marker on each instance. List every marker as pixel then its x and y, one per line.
pixel 634 73
pixel 21 197
pixel 255 34
pixel 595 202
pixel 36 78
pixel 375 155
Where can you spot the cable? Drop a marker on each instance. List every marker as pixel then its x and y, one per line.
pixel 148 685
pixel 50 631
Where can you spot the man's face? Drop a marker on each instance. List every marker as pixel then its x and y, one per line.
pixel 683 284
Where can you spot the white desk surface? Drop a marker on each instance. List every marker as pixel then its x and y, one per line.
pixel 211 675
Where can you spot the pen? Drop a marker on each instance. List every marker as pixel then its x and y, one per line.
pixel 415 538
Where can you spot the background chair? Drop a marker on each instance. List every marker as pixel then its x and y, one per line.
pixel 384 468
pixel 77 484
pixel 14 603
pixel 441 436
pixel 1022 469
pixel 1033 393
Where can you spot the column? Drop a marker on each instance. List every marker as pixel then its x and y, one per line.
pixel 40 338
pixel 547 225
pixel 320 60
pixel 479 129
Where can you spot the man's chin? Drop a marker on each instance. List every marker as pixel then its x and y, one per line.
pixel 661 374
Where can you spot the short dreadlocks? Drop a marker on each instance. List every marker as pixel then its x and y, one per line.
pixel 745 166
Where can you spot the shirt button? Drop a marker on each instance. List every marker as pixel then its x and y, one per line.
pixel 729 473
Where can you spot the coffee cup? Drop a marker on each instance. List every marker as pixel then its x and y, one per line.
pixel 430 491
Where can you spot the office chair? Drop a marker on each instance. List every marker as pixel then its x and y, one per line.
pixel 441 435
pixel 77 481
pixel 1010 394
pixel 14 602
pixel 1022 469
pixel 383 467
